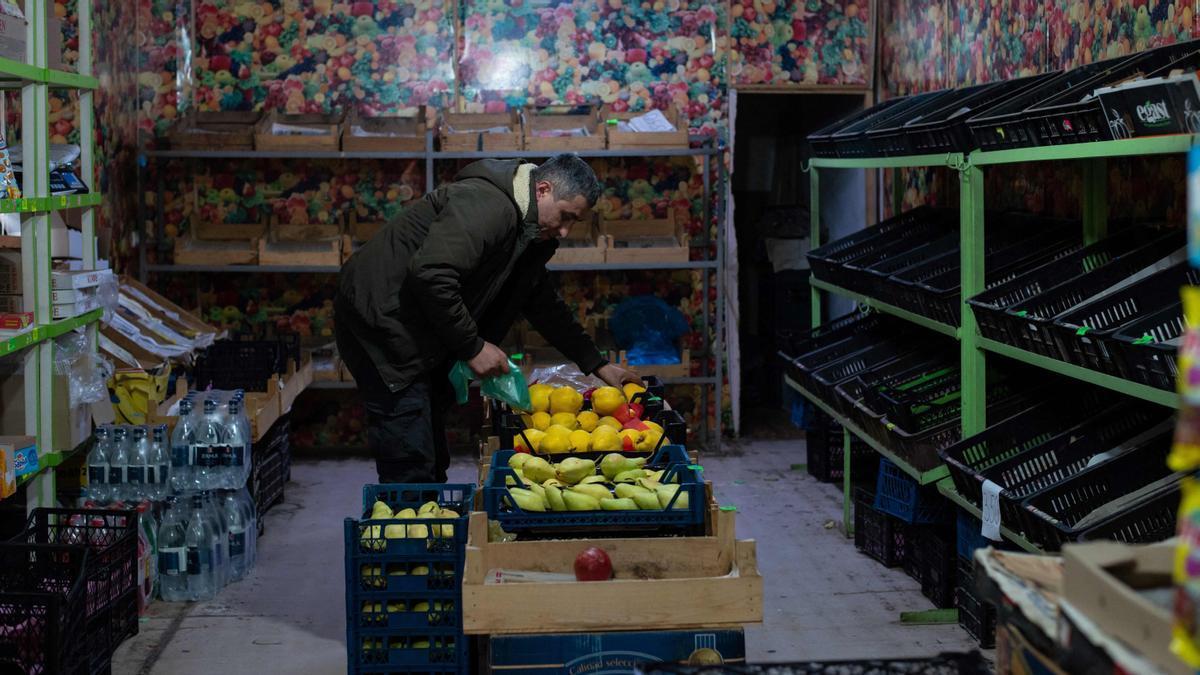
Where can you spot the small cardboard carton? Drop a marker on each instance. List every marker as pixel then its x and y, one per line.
pixel 1108 582
pixel 22 450
pixel 12 32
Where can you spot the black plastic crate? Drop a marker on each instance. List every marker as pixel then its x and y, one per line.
pixel 801 367
pixel 872 274
pixel 1146 349
pixel 822 142
pixel 933 560
pixel 802 341
pixel 852 140
pixel 43 607
pixel 907 229
pixel 1127 249
pixel 899 496
pixel 880 536
pixel 1006 126
pixel 971 663
pixel 1056 516
pixel 1076 116
pixel 890 138
pixel 1083 333
pixel 945 129
pixel 975 615
pixel 825 448
pixel 245 364
pixel 856 395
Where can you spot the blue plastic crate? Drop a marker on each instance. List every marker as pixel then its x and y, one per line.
pixel 969 538
pixel 381 650
pixel 898 495
pixel 500 505
pixel 406 577
pixel 415 612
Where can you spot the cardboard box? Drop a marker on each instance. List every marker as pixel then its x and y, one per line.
pixel 178 318
pixel 12 32
pixel 573 654
pixel 15 321
pixel 79 280
pixel 23 452
pixel 58 310
pixel 1103 581
pixel 8 475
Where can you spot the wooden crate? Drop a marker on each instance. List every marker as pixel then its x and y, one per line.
pixel 206 231
pixel 585 245
pixel 327 138
pixel 295 381
pixel 217 130
pixel 309 253
pixel 387 133
pixel 632 140
pixel 262 408
pixel 546 120
pixel 664 370
pixel 361 231
pixel 278 231
pixel 462 132
pixel 189 251
pixel 658 240
pixel 671 583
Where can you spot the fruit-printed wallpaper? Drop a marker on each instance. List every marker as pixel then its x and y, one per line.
pixel 810 42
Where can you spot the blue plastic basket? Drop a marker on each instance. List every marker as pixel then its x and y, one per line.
pixel 387 578
pixel 898 495
pixel 501 507
pixel 969 538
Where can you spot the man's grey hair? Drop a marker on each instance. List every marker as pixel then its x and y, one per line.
pixel 570 176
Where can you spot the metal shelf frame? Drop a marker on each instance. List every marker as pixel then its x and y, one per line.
pixel 973 348
pixel 711 268
pixel 35 79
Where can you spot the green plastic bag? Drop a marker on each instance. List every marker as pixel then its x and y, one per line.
pixel 510 387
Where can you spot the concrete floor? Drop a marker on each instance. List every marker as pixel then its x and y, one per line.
pixel 823 600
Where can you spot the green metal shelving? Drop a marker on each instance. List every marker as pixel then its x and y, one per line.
pixel 973 349
pixel 36 79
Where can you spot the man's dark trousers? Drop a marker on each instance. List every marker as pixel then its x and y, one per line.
pixel 406 430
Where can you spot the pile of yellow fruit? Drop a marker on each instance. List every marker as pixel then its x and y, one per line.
pixel 373 576
pixel 558 424
pixel 618 483
pixel 373 610
pixel 371 540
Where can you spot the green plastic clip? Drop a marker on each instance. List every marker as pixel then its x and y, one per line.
pixel 695 467
pixel 1022 314
pixel 1144 340
pixel 728 508
pixel 613 122
pixel 1082 330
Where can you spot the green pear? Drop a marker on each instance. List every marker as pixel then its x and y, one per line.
pixel 593 479
pixel 629 476
pixel 509 481
pixel 578 501
pixel 518 460
pixel 555 482
pixel 380 511
pixel 646 500
pixel 405 514
pixel 648 483
pixel 555 498
pixel 527 500
pixel 618 505
pixel 573 469
pixel 428 507
pixel 394 532
pixel 538 470
pixel 667 492
pixel 596 491
pixel 627 490
pixel 541 493
pixel 615 463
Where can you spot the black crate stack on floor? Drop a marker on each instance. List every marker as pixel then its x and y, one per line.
pixel 975 615
pixel 272 464
pixel 826 452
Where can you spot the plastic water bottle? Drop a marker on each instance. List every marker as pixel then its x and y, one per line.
pixel 97 460
pixel 135 471
pixel 183 451
pixel 220 540
pixel 251 512
pixel 199 540
pixel 118 463
pixel 210 447
pixel 234 515
pixel 158 465
pixel 237 458
pixel 173 554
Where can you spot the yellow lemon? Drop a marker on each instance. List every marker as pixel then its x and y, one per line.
pixel 605 400
pixel 539 397
pixel 588 420
pixel 565 420
pixel 581 441
pixel 539 421
pixel 566 400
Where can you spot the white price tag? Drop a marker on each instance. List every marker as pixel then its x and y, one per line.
pixel 991 510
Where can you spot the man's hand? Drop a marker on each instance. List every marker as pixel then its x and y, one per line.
pixel 616 375
pixel 489 362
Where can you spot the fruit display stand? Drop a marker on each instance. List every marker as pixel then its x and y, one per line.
pixel 659 584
